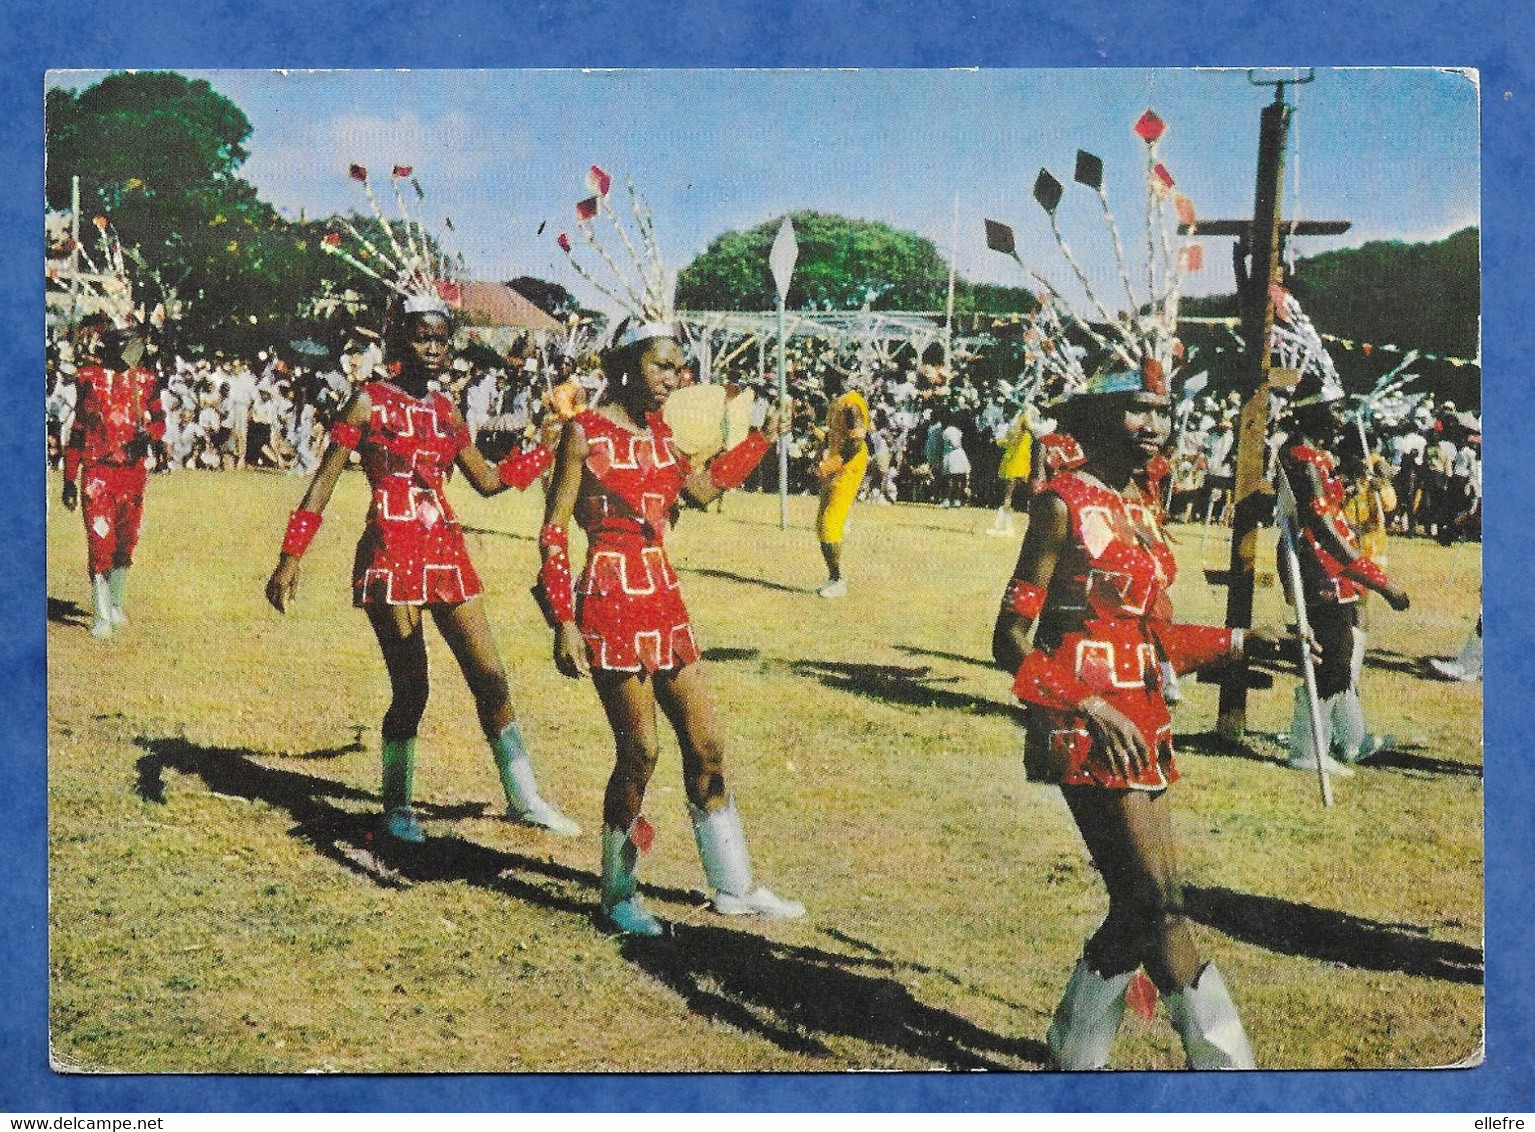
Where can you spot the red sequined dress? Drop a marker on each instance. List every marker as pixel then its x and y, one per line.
pixel 628 603
pixel 412 551
pixel 1105 626
pixel 1321 574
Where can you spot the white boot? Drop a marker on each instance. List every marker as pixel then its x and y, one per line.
pixel 1206 1019
pixel 117 586
pixel 722 849
pixel 1002 525
pixel 1303 752
pixel 523 801
pixel 101 606
pixel 1082 1033
pixel 620 886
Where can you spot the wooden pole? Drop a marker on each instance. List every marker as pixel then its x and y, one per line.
pixel 1254 501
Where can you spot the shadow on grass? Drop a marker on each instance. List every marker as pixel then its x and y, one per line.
pixel 797 996
pixel 1386 660
pixel 895 684
pixel 1214 743
pixel 351 837
pixel 720 655
pixel 791 995
pixel 959 658
pixel 1291 928
pixel 731 576
pixel 1406 757
pixel 68 612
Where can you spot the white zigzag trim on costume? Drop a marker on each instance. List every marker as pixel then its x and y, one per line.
pixel 656 567
pixel 1145 658
pixel 661 454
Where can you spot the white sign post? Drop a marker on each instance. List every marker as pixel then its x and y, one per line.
pixel 782 259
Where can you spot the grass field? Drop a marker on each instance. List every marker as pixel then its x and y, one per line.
pixel 219 902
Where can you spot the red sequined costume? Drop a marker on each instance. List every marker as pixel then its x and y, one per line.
pixel 112 411
pixel 1322 575
pixel 1104 627
pixel 412 551
pixel 629 607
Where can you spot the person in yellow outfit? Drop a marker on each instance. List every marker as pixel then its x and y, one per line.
pixel 841 473
pixel 1014 471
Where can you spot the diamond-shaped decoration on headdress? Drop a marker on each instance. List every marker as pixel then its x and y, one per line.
pixel 1089 170
pixel 1150 127
pixel 1047 191
pixel 586 209
pixel 999 237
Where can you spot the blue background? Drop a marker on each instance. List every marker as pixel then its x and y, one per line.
pixel 486 33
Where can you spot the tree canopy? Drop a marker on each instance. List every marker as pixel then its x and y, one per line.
pixel 843 263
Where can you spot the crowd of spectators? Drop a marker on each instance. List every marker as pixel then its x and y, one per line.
pixel 936 437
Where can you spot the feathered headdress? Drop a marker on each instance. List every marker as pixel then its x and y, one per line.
pixel 414 267
pixel 107 280
pixel 1295 344
pixel 645 291
pixel 1141 341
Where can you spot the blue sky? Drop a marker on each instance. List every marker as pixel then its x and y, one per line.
pixel 1393 150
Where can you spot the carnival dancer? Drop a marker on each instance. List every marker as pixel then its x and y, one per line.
pixel 1092 583
pixel 412 558
pixel 620 476
pixel 1334 576
pixel 118 417
pixel 840 474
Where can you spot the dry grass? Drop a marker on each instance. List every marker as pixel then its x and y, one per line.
pixel 219 904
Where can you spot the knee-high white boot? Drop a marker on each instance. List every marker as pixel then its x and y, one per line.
pixel 1303 752
pixel 117 587
pixel 523 801
pixel 620 885
pixel 1207 1022
pixel 1082 1033
pixel 101 606
pixel 727 865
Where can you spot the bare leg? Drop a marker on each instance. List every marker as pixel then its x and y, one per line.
pixel 398 629
pixel 832 553
pixel 467 631
pixel 1129 834
pixel 684 697
pixel 630 703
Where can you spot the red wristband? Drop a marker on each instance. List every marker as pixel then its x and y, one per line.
pixel 556 588
pixel 344 434
pixel 524 466
pixel 302 527
pixel 71 465
pixel 729 469
pixel 1367 571
pixel 1024 598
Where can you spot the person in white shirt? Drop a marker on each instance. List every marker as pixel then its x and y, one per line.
pixel 238 399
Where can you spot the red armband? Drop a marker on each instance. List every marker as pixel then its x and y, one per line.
pixel 1024 598
pixel 524 466
pixel 1366 571
pixel 555 591
pixel 729 469
pixel 302 527
pixel 156 430
pixel 1189 648
pixel 71 465
pixel 1047 679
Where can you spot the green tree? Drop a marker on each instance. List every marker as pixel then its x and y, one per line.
pixel 150 134
pixel 843 263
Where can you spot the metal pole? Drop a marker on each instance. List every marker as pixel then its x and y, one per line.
pixel 948 318
pixel 784 423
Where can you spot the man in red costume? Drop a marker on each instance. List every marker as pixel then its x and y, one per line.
pixel 118 416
